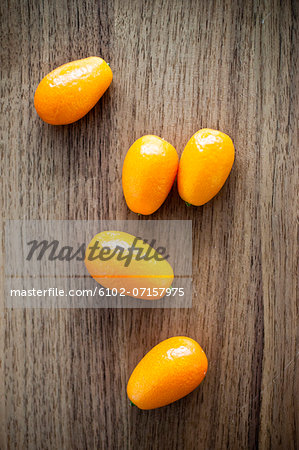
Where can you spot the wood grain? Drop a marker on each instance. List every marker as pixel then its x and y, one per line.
pixel 178 66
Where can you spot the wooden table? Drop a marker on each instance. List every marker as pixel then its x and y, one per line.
pixel 178 66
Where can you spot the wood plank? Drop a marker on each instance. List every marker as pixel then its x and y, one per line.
pixel 178 67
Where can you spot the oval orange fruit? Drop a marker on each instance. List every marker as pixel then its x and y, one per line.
pixel 149 170
pixel 119 260
pixel 168 372
pixel 67 93
pixel 204 166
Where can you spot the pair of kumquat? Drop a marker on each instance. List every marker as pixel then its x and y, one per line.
pixel 176 366
pixel 151 165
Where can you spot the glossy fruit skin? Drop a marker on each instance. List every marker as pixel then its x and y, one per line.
pixel 204 166
pixel 67 93
pixel 168 372
pixel 149 170
pixel 139 274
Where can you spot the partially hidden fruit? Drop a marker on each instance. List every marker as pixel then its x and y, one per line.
pixel 168 372
pixel 67 93
pixel 149 170
pixel 121 261
pixel 204 166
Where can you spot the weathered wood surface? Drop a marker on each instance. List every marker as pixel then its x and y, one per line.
pixel 178 66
